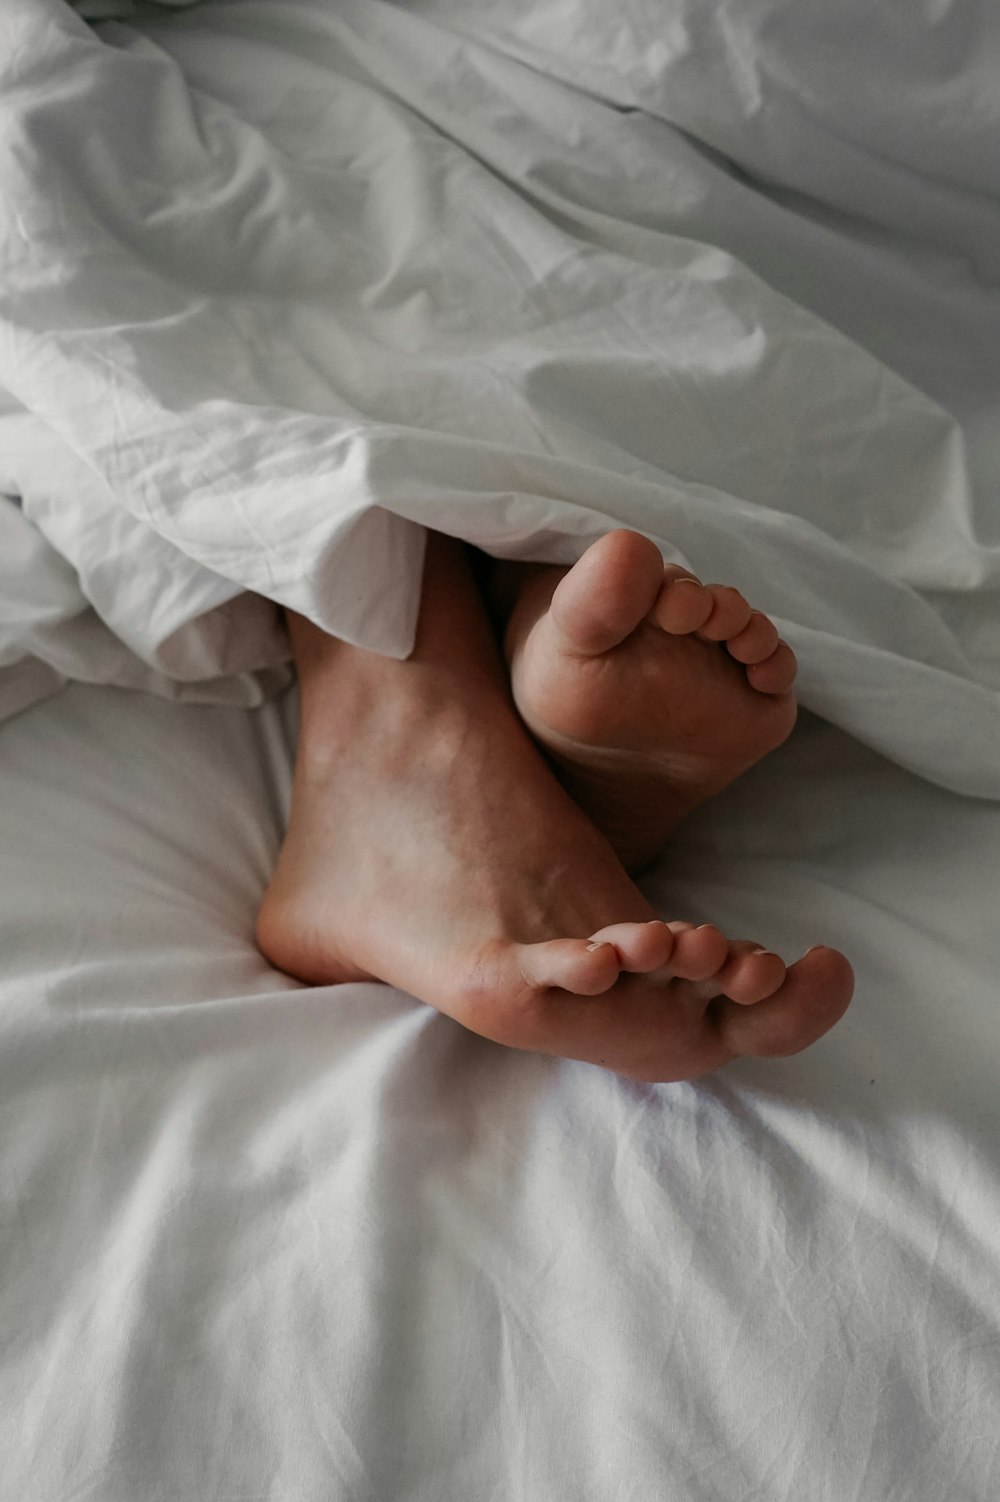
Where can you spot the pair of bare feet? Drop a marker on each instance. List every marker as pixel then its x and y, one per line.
pixel 464 823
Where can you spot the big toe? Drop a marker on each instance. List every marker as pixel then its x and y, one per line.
pixel 815 994
pixel 605 595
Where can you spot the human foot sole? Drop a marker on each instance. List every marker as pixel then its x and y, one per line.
pixel 649 690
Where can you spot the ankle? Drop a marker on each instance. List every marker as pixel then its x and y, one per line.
pixel 391 715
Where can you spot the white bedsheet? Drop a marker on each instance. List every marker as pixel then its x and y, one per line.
pixel 280 282
pixel 262 1241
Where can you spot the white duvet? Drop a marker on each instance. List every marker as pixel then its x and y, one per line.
pixel 282 283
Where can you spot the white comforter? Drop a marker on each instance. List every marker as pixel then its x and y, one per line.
pixel 279 283
pixel 281 280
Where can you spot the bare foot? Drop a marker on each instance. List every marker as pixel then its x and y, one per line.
pixel 463 874
pixel 650 691
pixel 431 847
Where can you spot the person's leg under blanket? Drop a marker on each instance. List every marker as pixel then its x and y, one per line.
pixel 234 396
pixel 431 846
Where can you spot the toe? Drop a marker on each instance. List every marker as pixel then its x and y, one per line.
pixel 814 995
pixel 776 674
pixel 604 596
pixel 698 952
pixel 640 947
pixel 683 604
pixel 750 973
pixel 584 966
pixel 730 614
pixel 756 641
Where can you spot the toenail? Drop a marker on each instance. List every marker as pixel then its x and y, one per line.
pixel 598 944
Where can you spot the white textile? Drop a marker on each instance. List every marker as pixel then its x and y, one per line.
pixel 283 282
pixel 265 1241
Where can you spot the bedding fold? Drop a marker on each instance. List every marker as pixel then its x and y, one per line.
pixel 281 286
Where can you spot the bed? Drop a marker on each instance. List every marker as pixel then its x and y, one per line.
pixel 283 283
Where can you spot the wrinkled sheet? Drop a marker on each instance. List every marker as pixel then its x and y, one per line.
pixel 264 1241
pixel 281 284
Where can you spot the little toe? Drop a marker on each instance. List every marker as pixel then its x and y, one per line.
pixel 815 994
pixel 730 614
pixel 776 674
pixel 683 604
pixel 605 595
pixel 640 947
pixel 750 973
pixel 698 952
pixel 756 642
